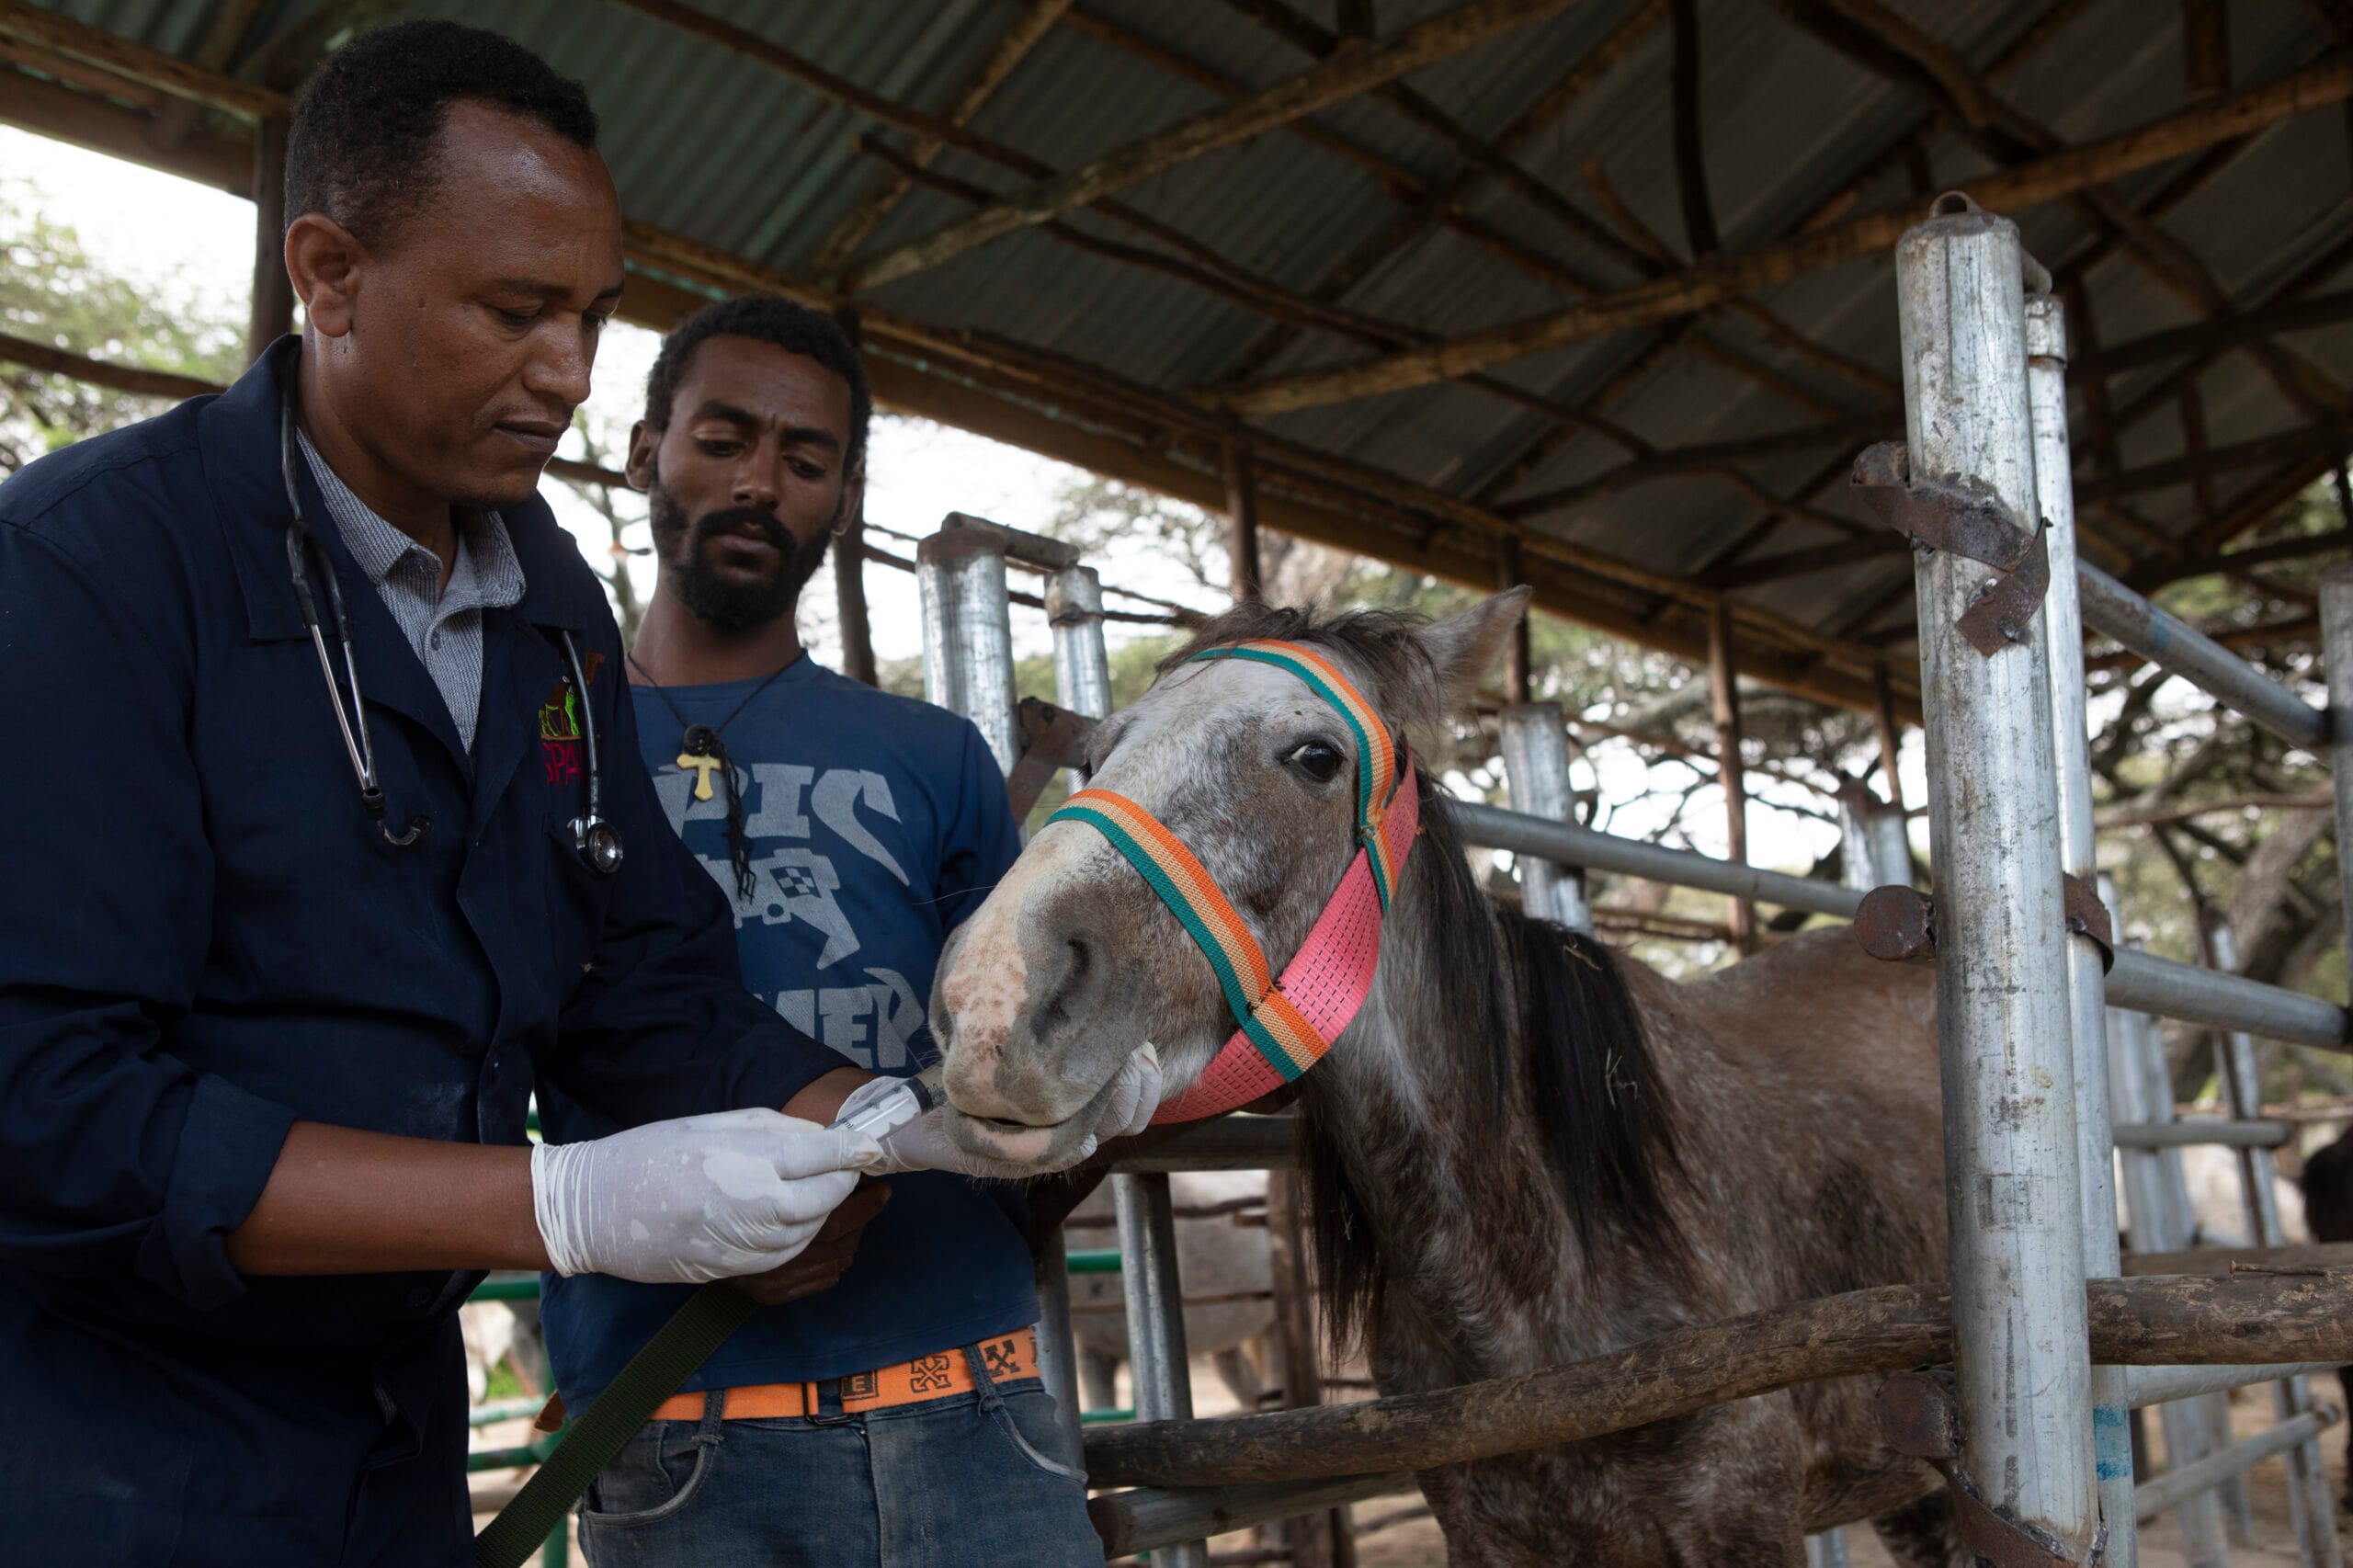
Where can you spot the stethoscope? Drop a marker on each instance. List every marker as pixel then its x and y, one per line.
pixel 597 841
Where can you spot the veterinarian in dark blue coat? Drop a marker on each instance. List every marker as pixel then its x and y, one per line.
pixel 263 1069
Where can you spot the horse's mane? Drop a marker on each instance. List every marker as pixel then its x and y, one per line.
pixel 1591 1083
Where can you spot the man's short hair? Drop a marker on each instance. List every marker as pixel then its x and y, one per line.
pixel 360 147
pixel 767 318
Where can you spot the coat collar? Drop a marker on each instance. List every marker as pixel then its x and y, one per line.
pixel 240 437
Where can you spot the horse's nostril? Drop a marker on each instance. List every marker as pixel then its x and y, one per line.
pixel 1078 968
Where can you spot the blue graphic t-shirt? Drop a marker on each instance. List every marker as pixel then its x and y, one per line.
pixel 876 824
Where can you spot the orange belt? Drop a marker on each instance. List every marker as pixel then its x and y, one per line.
pixel 1008 1357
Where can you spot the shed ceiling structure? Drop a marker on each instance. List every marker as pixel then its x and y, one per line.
pixel 1592 294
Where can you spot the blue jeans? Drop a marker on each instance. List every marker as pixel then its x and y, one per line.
pixel 975 1480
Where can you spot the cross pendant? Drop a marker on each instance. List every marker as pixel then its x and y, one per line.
pixel 703 765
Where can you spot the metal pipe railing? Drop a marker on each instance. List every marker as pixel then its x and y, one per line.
pixel 2148 984
pixel 2158 1219
pixel 2205 1130
pixel 2160 1385
pixel 2173 645
pixel 1157 1360
pixel 2309 1499
pixel 2173 1488
pixel 1147 1519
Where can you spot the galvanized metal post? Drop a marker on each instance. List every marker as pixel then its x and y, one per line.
pixel 1878 852
pixel 2309 1501
pixel 1082 667
pixel 1155 1309
pixel 2054 489
pixel 2014 1198
pixel 1827 1549
pixel 2157 1224
pixel 1536 768
pixel 967 633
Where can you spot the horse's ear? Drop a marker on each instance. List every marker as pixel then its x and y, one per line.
pixel 1463 647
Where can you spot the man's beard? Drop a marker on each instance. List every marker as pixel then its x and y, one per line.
pixel 732 604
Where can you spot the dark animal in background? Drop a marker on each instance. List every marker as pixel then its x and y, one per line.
pixel 2328 1209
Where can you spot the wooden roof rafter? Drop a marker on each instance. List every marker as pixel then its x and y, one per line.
pixel 1349 73
pixel 2044 179
pixel 924 369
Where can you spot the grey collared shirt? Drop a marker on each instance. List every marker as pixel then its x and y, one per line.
pixel 443 625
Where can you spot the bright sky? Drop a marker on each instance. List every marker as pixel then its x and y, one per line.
pixel 919 472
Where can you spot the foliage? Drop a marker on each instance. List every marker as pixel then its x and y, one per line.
pixel 53 291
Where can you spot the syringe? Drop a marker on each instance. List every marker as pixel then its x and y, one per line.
pixel 886 1113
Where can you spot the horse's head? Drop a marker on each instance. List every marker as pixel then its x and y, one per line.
pixel 1072 961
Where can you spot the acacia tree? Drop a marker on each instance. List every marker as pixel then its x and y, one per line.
pixel 53 291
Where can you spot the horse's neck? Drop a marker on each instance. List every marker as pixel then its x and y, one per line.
pixel 1477 1251
pixel 1483 1267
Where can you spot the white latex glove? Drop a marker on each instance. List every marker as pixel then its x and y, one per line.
pixel 699 1198
pixel 923 1144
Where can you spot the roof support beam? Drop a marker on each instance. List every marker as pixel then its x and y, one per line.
pixel 1419 528
pixel 1690 149
pixel 149 67
pixel 1346 75
pixel 1013 45
pixel 1436 202
pixel 1672 461
pixel 1908 150
pixel 2318 443
pixel 1884 41
pixel 2207 338
pixel 1727 277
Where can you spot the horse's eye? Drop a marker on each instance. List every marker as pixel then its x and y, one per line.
pixel 1320 760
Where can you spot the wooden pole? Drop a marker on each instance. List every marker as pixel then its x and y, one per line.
pixel 273 297
pixel 849 565
pixel 1242 524
pixel 2246 1320
pixel 1519 673
pixel 2205 48
pixel 1726 277
pixel 1724 690
pixel 1891 738
pixel 1691 155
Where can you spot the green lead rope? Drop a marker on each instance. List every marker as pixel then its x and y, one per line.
pixel 693 1335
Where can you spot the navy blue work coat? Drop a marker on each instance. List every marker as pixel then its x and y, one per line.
pixel 203 939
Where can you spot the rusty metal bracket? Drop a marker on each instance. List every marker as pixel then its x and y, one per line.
pixel 1919 1414
pixel 1964 517
pixel 1052 738
pixel 1897 924
pixel 2087 917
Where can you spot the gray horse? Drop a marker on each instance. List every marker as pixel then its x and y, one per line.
pixel 1527 1150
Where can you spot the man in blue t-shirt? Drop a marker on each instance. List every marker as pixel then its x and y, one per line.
pixel 896 1420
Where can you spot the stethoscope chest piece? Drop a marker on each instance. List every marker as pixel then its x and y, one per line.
pixel 600 843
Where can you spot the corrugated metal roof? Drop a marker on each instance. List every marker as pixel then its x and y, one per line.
pixel 727 151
